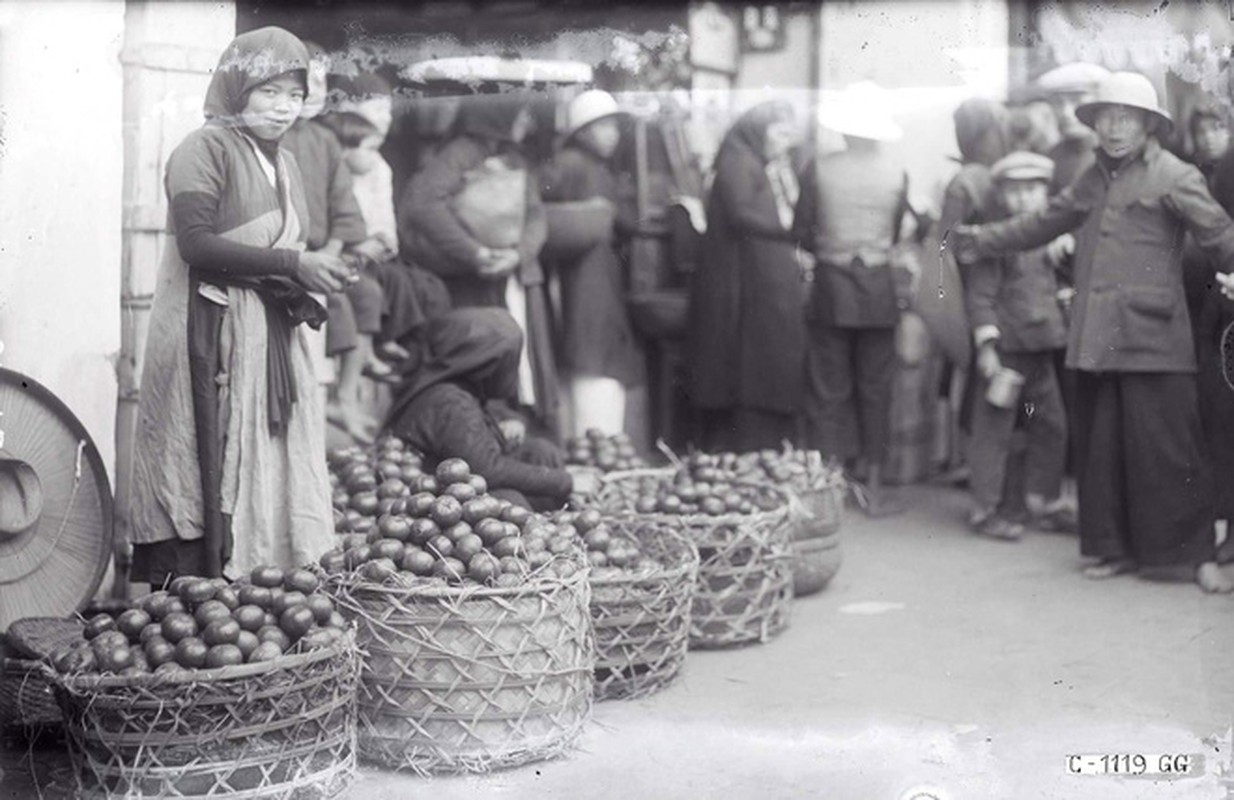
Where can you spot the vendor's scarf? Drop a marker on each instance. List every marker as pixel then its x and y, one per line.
pixel 476 348
pixel 251 60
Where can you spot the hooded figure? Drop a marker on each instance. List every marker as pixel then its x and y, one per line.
pixel 229 429
pixel 432 233
pixel 746 335
pixel 441 410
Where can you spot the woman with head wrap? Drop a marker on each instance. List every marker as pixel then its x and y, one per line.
pixel 490 266
pixel 227 466
pixel 443 409
pixel 747 335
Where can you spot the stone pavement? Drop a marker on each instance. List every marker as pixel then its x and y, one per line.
pixel 935 659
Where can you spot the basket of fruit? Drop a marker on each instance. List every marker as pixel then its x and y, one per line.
pixel 27 702
pixel 816 507
pixel 643 575
pixel 744 587
pixel 473 616
pixel 606 453
pixel 210 689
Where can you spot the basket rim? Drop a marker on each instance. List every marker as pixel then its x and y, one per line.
pixel 85 682
pixel 537 586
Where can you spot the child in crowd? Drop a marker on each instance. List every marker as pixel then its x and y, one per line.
pixel 1017 325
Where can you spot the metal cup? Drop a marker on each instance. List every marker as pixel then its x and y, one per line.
pixel 1004 389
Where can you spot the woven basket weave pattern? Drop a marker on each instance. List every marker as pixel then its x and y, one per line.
pixel 280 729
pixel 745 578
pixel 642 624
pixel 26 697
pixel 470 680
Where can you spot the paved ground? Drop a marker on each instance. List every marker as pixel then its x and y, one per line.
pixel 934 659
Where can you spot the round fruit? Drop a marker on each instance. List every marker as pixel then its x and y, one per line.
pixel 420 503
pixel 337 621
pixel 394 527
pixel 588 520
pixel 107 640
pixel 247 641
pixel 300 580
pixel 597 558
pixel 452 470
pixel 392 489
pixel 388 548
pixel 422 530
pixel 457 531
pixel 210 611
pixel 363 524
pixel 154 604
pixel 479 484
pixel 366 503
pixel 440 546
pixel 297 621
pixel 269 619
pixel 224 655
pixel 321 606
pixel 409 473
pixel 645 505
pixel 483 568
pixel 229 596
pixel 286 601
pixel 150 633
pixel 597 539
pixel 418 562
pixel 197 592
pixel 468 546
pixel 509 546
pixel 461 492
pixel 114 659
pixel 333 562
pixel 475 510
pixel 266 651
pixel 132 622
pixel 80 659
pixel 318 639
pixel 268 577
pixel 178 627
pixel 446 511
pixel 191 653
pixel 357 556
pixel 221 631
pixel 168 668
pixel 377 571
pixel 255 596
pixel 159 652
pixel 99 623
pixel 560 545
pixel 389 469
pixel 516 514
pixel 426 483
pixel 450 568
pixel 490 531
pixel 275 635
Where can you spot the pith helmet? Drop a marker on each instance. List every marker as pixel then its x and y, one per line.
pixel 1125 89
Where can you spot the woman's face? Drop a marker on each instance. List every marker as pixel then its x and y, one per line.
pixel 1212 139
pixel 602 136
pixel 1121 130
pixel 273 107
pixel 780 136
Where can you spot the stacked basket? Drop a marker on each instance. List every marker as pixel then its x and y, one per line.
pixel 642 619
pixel 745 578
pixel 277 729
pixel 27 702
pixel 470 679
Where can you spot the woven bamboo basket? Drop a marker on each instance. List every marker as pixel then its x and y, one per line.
pixel 816 516
pixel 471 679
pixel 642 621
pixel 284 728
pixel 745 578
pixel 27 703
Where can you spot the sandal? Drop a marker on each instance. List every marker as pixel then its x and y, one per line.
pixel 995 526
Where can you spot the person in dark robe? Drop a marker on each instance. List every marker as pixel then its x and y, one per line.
pixel 443 410
pixel 746 336
pixel 228 471
pixel 1146 497
pixel 488 131
pixel 599 351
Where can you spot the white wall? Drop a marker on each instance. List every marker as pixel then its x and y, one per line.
pixel 60 202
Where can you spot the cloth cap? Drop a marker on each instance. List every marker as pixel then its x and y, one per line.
pixel 863 110
pixel 1023 166
pixel 590 106
pixel 1076 77
pixel 1124 89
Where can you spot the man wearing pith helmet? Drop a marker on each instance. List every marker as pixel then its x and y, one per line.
pixel 1145 496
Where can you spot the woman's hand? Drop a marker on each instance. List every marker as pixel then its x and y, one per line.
pixel 514 431
pixel 323 273
pixel 586 480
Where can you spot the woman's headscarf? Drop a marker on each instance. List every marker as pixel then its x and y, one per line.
pixel 750 129
pixel 252 59
pixel 477 348
pixel 981 131
pixel 489 116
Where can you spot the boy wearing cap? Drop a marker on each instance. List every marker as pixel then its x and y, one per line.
pixel 1017 324
pixel 1145 493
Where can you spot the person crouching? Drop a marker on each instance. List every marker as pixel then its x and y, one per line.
pixel 1017 324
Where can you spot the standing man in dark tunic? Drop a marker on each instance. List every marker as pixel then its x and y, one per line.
pixel 1145 490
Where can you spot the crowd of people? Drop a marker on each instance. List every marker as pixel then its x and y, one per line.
pixel 1086 252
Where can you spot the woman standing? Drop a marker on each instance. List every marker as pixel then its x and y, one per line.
pixel 228 472
pixel 746 335
pixel 436 233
